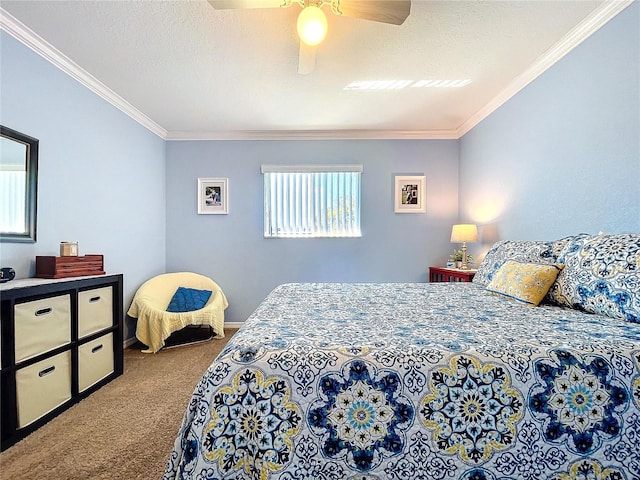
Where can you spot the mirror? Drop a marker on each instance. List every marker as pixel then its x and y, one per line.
pixel 18 186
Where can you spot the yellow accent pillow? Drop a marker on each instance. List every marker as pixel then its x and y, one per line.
pixel 525 282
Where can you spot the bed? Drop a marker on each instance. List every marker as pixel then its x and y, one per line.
pixel 420 381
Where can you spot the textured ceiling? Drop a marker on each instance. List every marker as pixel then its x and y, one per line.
pixel 195 72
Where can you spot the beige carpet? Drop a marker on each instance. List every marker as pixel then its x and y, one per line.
pixel 125 430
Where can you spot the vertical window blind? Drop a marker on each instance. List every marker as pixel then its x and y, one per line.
pixel 312 200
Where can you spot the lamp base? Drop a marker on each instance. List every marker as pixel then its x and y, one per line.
pixel 465 264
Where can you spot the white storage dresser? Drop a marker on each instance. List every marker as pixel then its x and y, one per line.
pixel 61 340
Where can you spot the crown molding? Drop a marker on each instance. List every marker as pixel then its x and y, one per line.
pixel 315 135
pixel 30 39
pixel 581 32
pixel 575 37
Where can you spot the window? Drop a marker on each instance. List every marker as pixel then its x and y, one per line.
pixel 312 200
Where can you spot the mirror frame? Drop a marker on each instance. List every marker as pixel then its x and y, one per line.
pixel 31 200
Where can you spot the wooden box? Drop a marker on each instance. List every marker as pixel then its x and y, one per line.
pixel 63 267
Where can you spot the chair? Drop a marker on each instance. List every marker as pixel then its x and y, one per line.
pixel 156 324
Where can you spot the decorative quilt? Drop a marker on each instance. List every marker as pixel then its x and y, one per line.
pixel 415 381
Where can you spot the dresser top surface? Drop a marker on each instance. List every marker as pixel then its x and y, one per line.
pixel 36 282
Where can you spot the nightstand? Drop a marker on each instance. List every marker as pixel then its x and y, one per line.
pixel 442 274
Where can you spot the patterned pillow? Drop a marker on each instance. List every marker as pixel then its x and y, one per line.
pixel 558 247
pixel 188 299
pixel 525 282
pixel 601 275
pixel 524 251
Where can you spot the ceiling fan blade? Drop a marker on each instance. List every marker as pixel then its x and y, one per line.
pixel 306 59
pixel 228 4
pixel 385 11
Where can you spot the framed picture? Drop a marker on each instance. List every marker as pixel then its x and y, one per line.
pixel 411 194
pixel 213 196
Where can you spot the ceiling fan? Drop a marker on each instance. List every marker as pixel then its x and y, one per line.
pixel 312 22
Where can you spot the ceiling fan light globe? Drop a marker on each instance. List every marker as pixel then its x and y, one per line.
pixel 312 25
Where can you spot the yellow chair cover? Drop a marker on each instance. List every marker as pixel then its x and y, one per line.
pixel 151 300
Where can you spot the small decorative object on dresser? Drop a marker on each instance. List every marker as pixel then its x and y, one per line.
pixel 442 274
pixel 6 274
pixel 69 266
pixel 68 249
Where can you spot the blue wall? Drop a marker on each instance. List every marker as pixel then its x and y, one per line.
pixel 231 248
pixel 563 155
pixel 101 174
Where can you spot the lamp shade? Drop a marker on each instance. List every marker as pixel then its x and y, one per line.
pixel 312 25
pixel 464 232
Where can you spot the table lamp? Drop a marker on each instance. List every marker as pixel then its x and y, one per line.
pixel 464 233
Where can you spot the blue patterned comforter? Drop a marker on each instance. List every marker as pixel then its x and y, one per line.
pixel 415 381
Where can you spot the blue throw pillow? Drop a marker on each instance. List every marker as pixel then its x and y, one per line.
pixel 188 299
